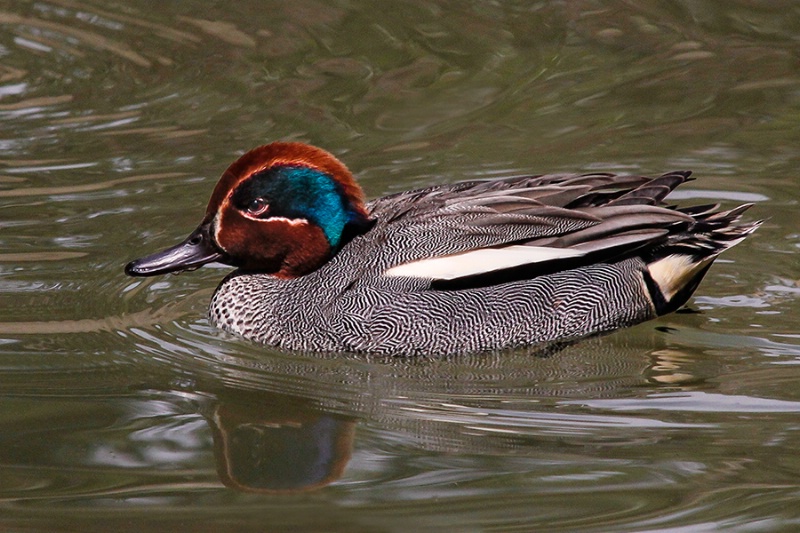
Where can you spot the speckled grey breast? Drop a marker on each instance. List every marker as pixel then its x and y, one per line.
pixel 317 313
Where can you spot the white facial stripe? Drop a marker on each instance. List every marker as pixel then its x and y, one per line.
pixel 480 261
pixel 290 221
pixel 215 227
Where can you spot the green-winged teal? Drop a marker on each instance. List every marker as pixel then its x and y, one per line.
pixel 466 267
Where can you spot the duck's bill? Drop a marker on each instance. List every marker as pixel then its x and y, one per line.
pixel 196 251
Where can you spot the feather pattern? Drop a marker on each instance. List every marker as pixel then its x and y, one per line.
pixel 489 265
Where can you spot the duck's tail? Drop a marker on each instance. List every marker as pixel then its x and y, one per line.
pixel 675 269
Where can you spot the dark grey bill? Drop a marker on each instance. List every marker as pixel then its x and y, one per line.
pixel 197 250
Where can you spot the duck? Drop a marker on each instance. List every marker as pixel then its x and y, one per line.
pixel 474 266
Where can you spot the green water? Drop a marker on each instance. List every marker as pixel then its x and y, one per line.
pixel 121 409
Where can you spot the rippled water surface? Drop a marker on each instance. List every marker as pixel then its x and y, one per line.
pixel 121 409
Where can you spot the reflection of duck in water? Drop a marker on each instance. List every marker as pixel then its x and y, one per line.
pixel 467 267
pixel 277 443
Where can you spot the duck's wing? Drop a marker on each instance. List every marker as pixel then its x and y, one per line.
pixel 535 224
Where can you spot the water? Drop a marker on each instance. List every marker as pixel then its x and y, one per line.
pixel 122 409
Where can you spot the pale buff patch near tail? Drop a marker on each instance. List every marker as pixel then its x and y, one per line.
pixel 674 272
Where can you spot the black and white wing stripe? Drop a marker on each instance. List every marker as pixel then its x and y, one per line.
pixel 539 224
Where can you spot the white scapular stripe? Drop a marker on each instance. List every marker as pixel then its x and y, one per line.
pixel 479 261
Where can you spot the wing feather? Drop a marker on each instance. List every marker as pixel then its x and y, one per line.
pixel 472 228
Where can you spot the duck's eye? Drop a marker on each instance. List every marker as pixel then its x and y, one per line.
pixel 257 206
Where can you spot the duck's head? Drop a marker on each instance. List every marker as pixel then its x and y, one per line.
pixel 281 208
